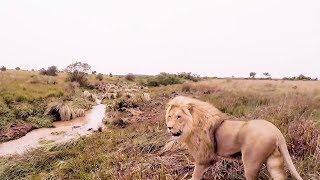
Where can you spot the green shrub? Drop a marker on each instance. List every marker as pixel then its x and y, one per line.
pixel 164 79
pixel 78 72
pixel 40 121
pixel 189 76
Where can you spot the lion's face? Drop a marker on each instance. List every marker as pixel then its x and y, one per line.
pixel 178 120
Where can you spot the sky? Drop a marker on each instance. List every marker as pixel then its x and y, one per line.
pixel 211 38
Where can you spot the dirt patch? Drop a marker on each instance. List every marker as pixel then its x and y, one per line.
pixel 15 131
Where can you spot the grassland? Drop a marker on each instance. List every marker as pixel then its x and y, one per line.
pixel 133 150
pixel 24 96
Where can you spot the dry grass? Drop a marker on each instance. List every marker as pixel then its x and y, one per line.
pixel 133 151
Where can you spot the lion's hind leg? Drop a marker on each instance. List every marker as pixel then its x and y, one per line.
pixel 275 165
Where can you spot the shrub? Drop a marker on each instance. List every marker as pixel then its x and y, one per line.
pixel 78 72
pixel 40 122
pixel 189 76
pixel 94 72
pixel 164 79
pixel 301 77
pixel 17 68
pixel 252 75
pixel 130 77
pixel 3 68
pixel 51 71
pixel 99 77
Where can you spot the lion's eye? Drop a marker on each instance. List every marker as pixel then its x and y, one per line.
pixel 178 117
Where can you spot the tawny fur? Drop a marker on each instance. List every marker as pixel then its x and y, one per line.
pixel 200 126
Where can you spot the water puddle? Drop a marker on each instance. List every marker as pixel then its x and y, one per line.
pixel 63 131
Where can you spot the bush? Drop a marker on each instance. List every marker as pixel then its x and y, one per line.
pixel 301 77
pixel 78 72
pixel 51 71
pixel 189 76
pixel 130 77
pixel 17 68
pixel 99 77
pixel 164 79
pixel 94 72
pixel 3 68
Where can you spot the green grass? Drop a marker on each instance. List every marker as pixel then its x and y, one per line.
pixel 24 96
pixel 102 155
pixel 133 152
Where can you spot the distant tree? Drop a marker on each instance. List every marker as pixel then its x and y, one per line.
pixel 99 77
pixel 3 68
pixel 94 72
pixel 17 68
pixel 266 74
pixel 252 75
pixel 50 71
pixel 130 77
pixel 78 72
pixel 110 75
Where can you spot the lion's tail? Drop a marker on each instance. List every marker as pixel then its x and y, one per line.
pixel 287 159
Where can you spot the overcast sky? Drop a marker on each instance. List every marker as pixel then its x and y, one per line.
pixel 215 37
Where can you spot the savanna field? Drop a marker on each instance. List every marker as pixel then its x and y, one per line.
pixel 131 143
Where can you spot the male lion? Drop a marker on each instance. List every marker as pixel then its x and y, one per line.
pixel 207 133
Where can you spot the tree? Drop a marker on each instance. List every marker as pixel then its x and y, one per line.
pixel 94 72
pixel 253 75
pixel 130 77
pixel 17 68
pixel 50 71
pixel 266 74
pixel 3 68
pixel 78 72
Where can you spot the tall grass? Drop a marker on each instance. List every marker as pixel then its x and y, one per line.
pixel 133 151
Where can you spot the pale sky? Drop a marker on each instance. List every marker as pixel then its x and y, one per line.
pixel 214 37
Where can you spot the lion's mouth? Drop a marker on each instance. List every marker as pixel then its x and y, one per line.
pixel 177 133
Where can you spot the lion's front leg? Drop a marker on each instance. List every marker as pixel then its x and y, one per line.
pixel 198 172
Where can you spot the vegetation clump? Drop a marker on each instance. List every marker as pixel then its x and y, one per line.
pixel 189 76
pixel 78 72
pixel 301 77
pixel 3 68
pixel 164 79
pixel 50 71
pixel 130 77
pixel 99 77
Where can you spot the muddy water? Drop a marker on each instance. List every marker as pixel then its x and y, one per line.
pixel 63 131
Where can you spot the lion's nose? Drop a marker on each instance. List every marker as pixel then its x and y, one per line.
pixel 170 127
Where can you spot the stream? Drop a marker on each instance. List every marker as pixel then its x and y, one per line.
pixel 63 131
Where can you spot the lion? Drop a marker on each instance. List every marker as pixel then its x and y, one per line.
pixel 209 133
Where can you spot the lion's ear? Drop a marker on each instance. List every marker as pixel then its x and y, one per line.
pixel 188 109
pixel 169 107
